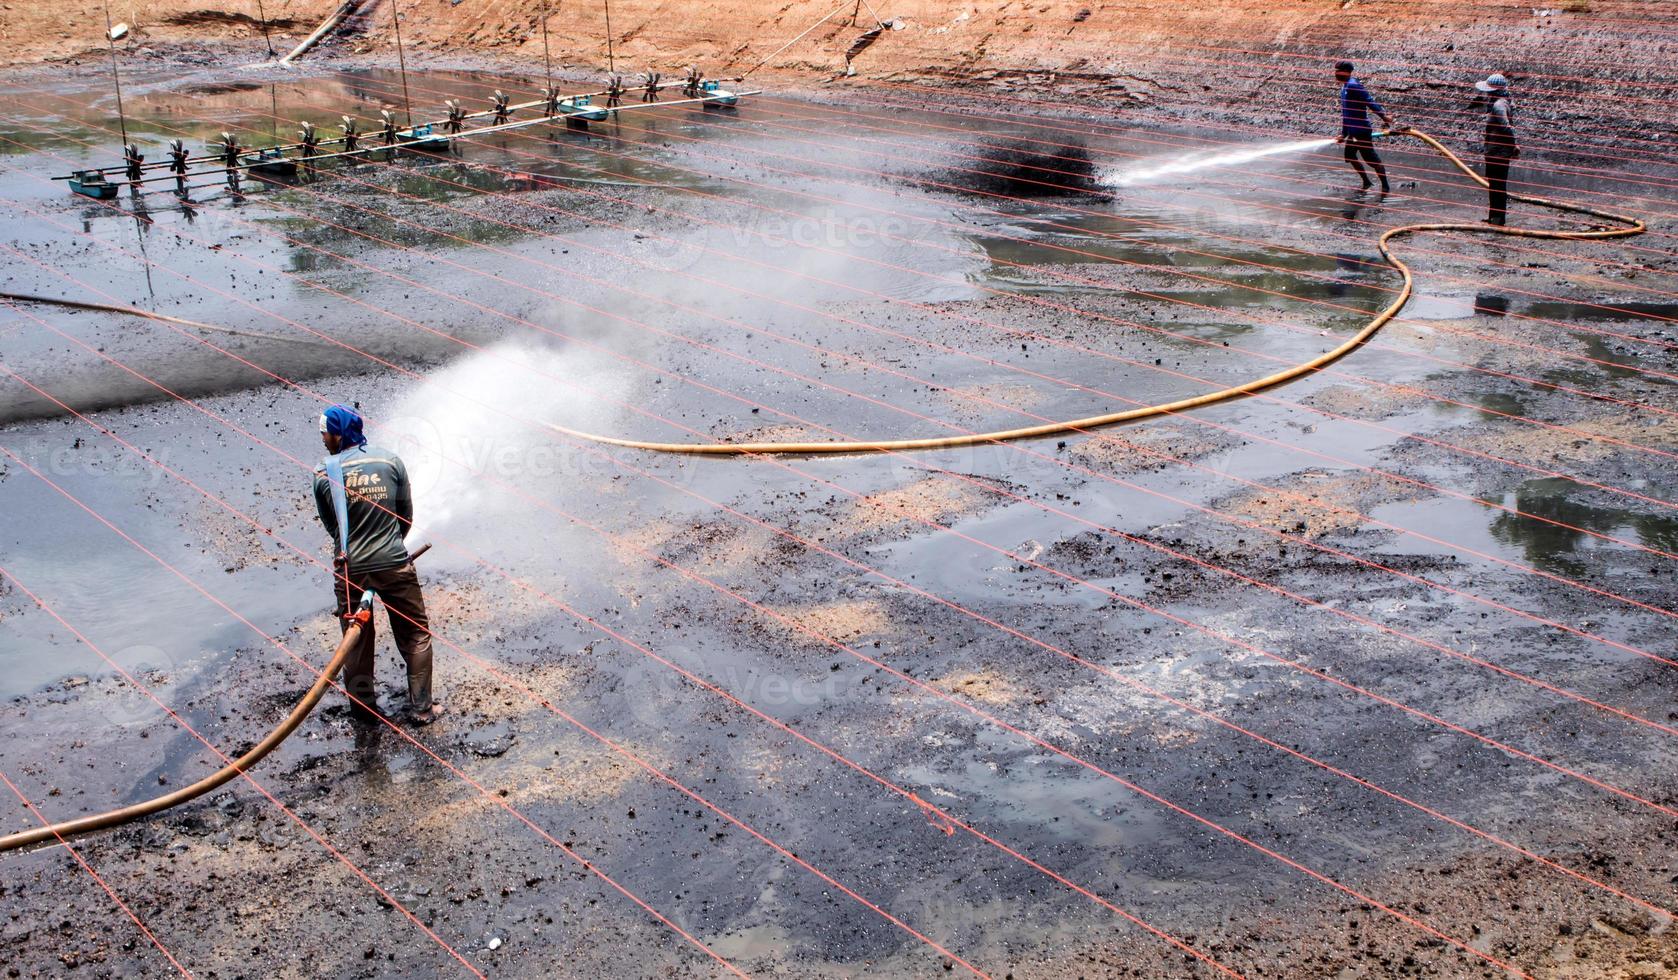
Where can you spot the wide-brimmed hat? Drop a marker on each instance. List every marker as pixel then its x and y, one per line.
pixel 1493 83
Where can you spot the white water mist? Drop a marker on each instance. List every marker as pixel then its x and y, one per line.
pixel 1209 159
pixel 467 436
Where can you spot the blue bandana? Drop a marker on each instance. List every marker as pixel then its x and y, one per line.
pixel 343 422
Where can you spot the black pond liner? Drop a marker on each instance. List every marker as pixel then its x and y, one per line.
pixel 1022 169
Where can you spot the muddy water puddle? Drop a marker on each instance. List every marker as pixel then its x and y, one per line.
pixel 587 278
pixel 1559 524
pixel 341 234
pixel 289 259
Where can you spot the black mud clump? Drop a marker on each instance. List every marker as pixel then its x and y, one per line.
pixel 1020 168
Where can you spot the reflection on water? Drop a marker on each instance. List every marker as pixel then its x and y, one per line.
pixel 1552 547
pixel 1557 310
pixel 269 113
pixel 1219 275
pixel 1165 243
pixel 1490 304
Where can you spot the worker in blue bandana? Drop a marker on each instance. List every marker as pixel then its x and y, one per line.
pixel 364 500
pixel 1357 134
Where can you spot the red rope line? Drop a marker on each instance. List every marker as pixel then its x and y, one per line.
pixel 1635 650
pixel 875 571
pixel 206 342
pixel 1282 323
pixel 1328 113
pixel 384 895
pixel 88 867
pixel 521 135
pixel 1325 107
pixel 484 791
pixel 834 111
pixel 512 682
pixel 578 244
pixel 1333 370
pixel 653 556
pixel 1238 260
pixel 1499 340
pixel 1294 494
pixel 1120 780
pixel 591 621
pixel 1175 272
pixel 1458 78
pixel 1301 496
pixel 827 116
pixel 1419 392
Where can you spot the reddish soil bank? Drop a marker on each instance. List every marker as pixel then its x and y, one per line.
pixel 1580 64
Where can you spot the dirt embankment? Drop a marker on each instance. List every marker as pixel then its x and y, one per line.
pixel 1242 53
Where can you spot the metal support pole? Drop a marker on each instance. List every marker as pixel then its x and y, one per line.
pixel 401 63
pixel 611 59
pixel 547 58
pixel 116 80
pixel 268 39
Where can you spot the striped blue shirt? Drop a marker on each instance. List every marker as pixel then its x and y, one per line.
pixel 1355 106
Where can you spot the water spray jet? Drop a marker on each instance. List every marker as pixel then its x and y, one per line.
pixel 1208 160
pixel 1628 226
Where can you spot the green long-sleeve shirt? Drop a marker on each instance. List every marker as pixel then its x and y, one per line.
pixel 380 507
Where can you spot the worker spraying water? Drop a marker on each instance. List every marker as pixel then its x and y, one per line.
pixel 1500 140
pixel 1193 162
pixel 368 516
pixel 365 502
pixel 1357 134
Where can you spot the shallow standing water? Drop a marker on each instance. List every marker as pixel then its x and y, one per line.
pixel 685 275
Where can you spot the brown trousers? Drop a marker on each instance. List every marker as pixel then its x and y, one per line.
pixel 399 590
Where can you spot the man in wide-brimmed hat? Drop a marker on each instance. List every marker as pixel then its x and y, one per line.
pixel 1500 147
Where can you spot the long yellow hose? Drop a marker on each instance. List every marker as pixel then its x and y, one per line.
pixel 324 680
pixel 237 767
pixel 1633 227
